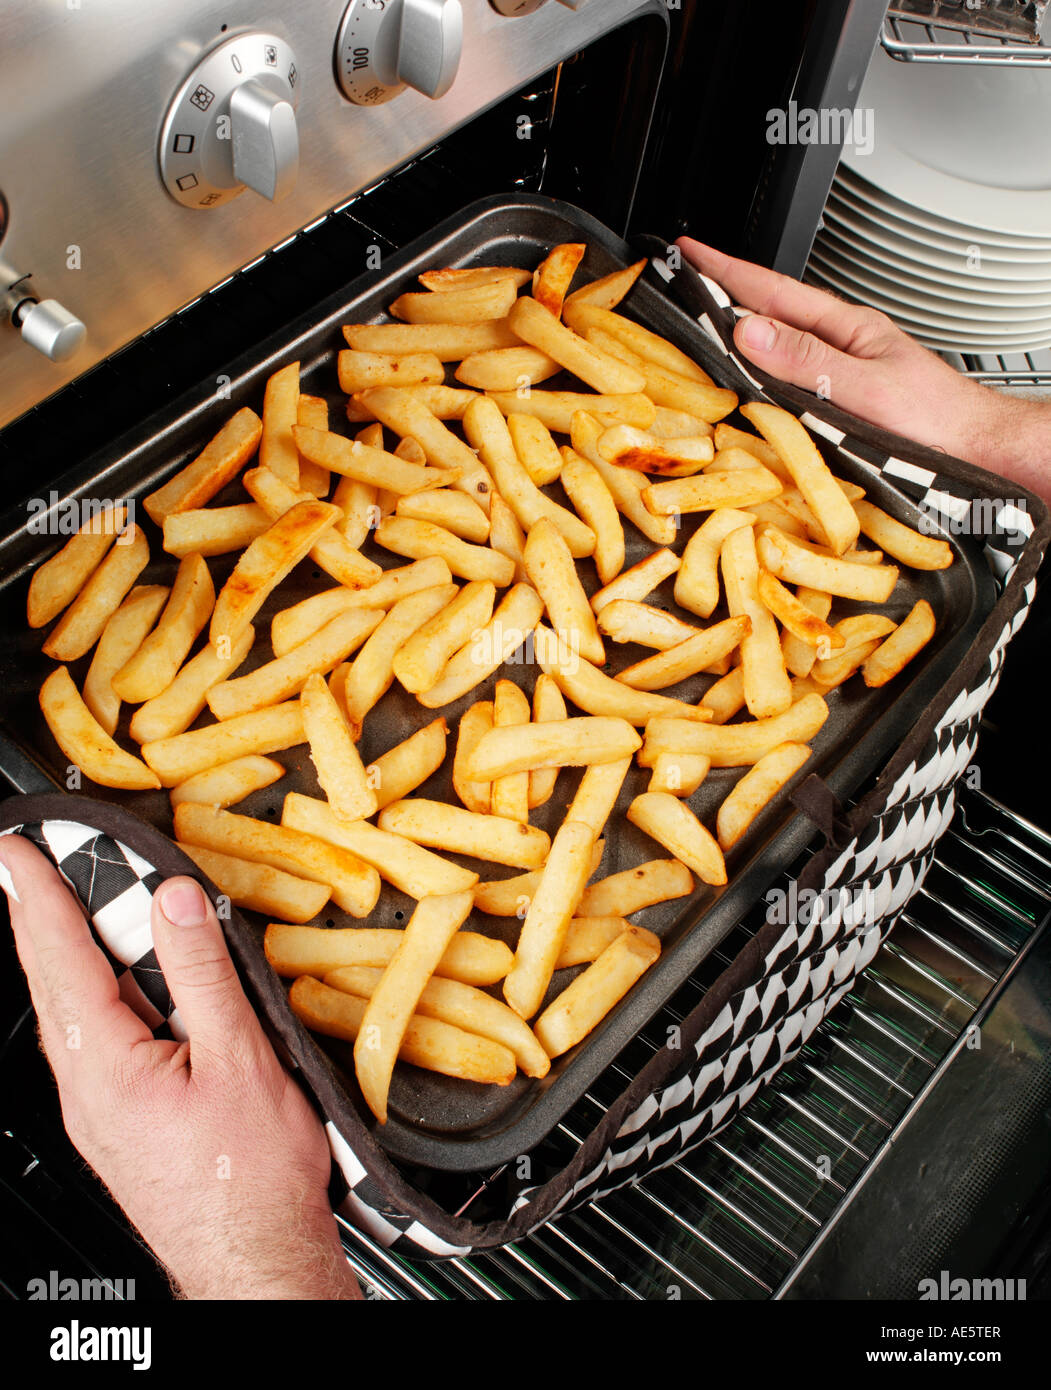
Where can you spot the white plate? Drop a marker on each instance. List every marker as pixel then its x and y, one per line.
pixel 965 142
pixel 909 298
pixel 872 200
pixel 960 330
pixel 928 260
pixel 957 240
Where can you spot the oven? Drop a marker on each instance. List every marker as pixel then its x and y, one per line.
pixel 138 259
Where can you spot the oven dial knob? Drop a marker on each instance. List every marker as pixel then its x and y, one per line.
pixel 49 328
pixel 384 46
pixel 232 124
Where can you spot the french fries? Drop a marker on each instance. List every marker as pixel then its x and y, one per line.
pixel 474 722
pixel 418 539
pixel 535 447
pixel 154 665
pixel 901 541
pixel 58 581
pixel 221 459
pixel 671 458
pixel 419 662
pixel 471 958
pixel 673 825
pixel 763 780
pixel 510 897
pixel 557 408
pixel 339 768
pixel 539 327
pixel 639 581
pixel 631 890
pixel 405 766
pixel 212 531
pixel 503 751
pixel 81 625
pixel 439 826
pixel 372 671
pixel 627 620
pixel 277 447
pixel 767 689
pixel 506 369
pixel 548 706
pixel 586 1001
pixel 549 567
pixel 554 275
pixel 735 745
pixel 517 615
pixel 180 756
pixel 466 305
pixel 587 490
pixel 230 783
pixel 179 704
pixel 121 638
pixel 360 370
pixel 907 639
pixel 509 791
pixel 401 411
pixel 455 278
pixel 331 551
pixel 790 561
pixel 259 887
pixel 452 510
pixel 85 742
pixel 697 653
pixel 738 488
pixel 449 342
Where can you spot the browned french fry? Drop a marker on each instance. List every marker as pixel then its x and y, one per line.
pixel 85 742
pixel 516 616
pixel 626 485
pixel 590 495
pixel 264 731
pixel 554 275
pixel 80 627
pixel 440 826
pixel 402 768
pixel 697 653
pixel 757 787
pixel 548 706
pixel 360 370
pixel 56 583
pixel 296 950
pixel 735 745
pixel 586 1001
pixel 607 292
pixel 671 458
pixel 472 304
pixel 860 636
pixel 260 888
pixel 122 636
pixel 214 530
pixel 791 562
pixel 797 617
pixel 229 783
pixel 155 664
pixel 902 542
pixel 277 448
pixel 509 796
pixel 331 550
pixel 656 881
pixel 461 278
pixel 907 639
pixel 799 655
pixel 221 459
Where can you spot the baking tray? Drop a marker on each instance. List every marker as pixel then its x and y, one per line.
pixel 437 1121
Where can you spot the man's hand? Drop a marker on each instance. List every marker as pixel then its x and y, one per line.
pixel 209 1146
pixel 857 358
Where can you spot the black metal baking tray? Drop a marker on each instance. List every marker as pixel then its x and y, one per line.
pixel 437 1121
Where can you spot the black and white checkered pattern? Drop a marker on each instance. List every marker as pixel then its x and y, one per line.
pixel 803 970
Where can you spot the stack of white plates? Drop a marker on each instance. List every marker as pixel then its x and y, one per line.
pixel 942 218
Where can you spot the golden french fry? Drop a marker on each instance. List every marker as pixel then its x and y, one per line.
pixel 550 568
pixel 907 639
pixel 462 1006
pixel 425 1042
pixel 627 620
pixel 439 826
pixel 560 743
pixel 554 275
pixel 457 278
pixel 339 768
pixel 221 459
pixel 548 706
pixel 470 957
pixel 793 563
pixel 277 448
pixel 607 292
pixel 809 470
pixel 596 693
pixel 469 304
pixel 590 495
pixel 372 671
pixel 401 411
pixel 510 897
pixel 557 408
pixel 214 530
pixel 541 329
pixel 260 888
pixel 331 550
pixel 656 881
pixel 267 561
pixel 674 390
pixel 738 488
pixel 352 459
pixel 313 414
pixel 679 773
pixel 757 787
pixel 80 626
pixel 516 616
pixel 506 536
pixel 587 938
pixel 506 369
pixel 586 317
pixel 443 402
pixel 638 581
pixel 227 785
pixel 155 664
pixel 178 705
pixel 726 697
pixel 561 886
pixel 294 625
pixel 56 583
pixel 856 637
pixel 474 722
pixel 797 617
pixel 408 866
pixel 685 659
pixel 428 933
pixel 85 742
pixel 450 342
pixel 402 768
pixel 355 885
pixel 122 636
pixel 597 794
pixel 673 825
pixel 418 539
pixel 358 502
pixel 671 458
pixel 509 795
pixel 182 755
pixel 735 745
pixel 767 690
pixel 454 511
pixel 418 664
pixel 285 676
pixel 680 424
pixel 586 1001
pixel 535 448
pixel 917 551
pixel 626 485
pixel 729 437
pixel 800 655
pixel 487 430
pixel 360 370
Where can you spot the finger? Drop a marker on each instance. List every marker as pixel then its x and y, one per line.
pixel 74 990
pixel 192 953
pixel 801 358
pixel 779 296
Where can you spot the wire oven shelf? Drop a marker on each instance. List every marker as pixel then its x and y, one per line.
pixel 1028 371
pixel 733 1218
pixel 913 41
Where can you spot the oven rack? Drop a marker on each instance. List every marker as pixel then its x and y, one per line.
pixel 734 1218
pixel 913 41
pixel 1029 371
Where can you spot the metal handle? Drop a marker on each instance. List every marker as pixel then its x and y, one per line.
pixel 265 139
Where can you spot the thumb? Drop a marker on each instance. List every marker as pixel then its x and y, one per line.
pixel 193 956
pixel 798 357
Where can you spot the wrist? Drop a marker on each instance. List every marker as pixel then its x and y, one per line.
pixel 1011 435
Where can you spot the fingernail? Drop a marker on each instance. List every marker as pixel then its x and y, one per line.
pixel 758 333
pixel 7 883
pixel 184 905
